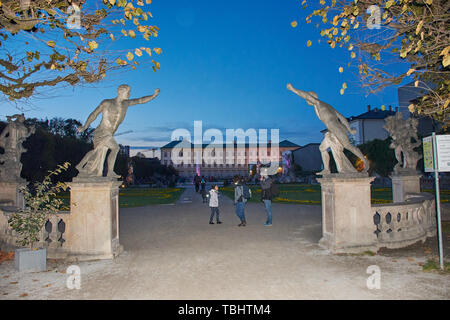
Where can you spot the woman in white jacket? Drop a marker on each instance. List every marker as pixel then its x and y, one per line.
pixel 213 196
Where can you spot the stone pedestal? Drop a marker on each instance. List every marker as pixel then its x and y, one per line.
pixel 347 221
pixel 94 219
pixel 403 184
pixel 10 195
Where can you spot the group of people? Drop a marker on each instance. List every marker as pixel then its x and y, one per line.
pixel 242 193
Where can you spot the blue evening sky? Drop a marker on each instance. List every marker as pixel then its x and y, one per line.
pixel 226 63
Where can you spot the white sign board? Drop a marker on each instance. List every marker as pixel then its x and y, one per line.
pixel 443 152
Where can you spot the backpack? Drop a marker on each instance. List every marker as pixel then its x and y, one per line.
pixel 275 192
pixel 246 193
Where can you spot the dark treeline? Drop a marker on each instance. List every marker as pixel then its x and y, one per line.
pixel 57 141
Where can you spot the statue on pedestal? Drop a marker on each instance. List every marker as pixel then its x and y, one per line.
pixel 402 133
pixel 336 138
pixel 11 139
pixel 113 113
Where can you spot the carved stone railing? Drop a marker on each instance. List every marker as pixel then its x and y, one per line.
pixel 402 224
pixel 52 235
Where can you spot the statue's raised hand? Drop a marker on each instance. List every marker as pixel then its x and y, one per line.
pixel 157 91
pixel 290 87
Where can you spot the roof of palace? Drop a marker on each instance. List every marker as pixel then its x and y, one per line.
pixel 187 144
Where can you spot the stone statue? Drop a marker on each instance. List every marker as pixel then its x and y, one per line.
pixel 336 138
pixel 402 133
pixel 11 139
pixel 288 174
pixel 113 113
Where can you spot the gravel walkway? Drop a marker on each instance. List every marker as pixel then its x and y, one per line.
pixel 171 252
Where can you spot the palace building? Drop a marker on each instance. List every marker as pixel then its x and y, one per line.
pixel 221 160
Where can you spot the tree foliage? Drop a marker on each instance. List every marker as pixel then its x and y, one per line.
pixel 40 202
pixel 45 43
pixel 416 32
pixel 381 157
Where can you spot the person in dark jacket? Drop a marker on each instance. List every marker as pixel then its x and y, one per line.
pixel 266 196
pixel 197 182
pixel 239 200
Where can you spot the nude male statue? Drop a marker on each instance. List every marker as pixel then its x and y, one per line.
pixel 113 113
pixel 336 138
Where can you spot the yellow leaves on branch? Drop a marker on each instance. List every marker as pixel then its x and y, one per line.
pixel 93 45
pixel 446 58
pixel 156 65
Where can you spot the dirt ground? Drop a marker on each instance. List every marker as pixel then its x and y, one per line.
pixel 171 252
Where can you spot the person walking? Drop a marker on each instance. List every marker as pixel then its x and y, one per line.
pixel 266 196
pixel 240 200
pixel 213 196
pixel 197 182
pixel 203 184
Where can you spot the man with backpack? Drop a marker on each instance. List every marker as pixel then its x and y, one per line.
pixel 269 190
pixel 241 194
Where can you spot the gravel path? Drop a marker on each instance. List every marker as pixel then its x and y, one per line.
pixel 171 252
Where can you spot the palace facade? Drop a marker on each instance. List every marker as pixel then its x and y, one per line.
pixel 221 160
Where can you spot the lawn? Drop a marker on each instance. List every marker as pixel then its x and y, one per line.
pixel 310 194
pixel 138 197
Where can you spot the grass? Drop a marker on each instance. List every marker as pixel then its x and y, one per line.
pixel 310 194
pixel 433 265
pixel 138 197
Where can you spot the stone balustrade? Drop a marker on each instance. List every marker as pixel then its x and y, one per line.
pixel 52 235
pixel 402 224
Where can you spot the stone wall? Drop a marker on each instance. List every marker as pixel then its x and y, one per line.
pixel 404 223
pixel 52 237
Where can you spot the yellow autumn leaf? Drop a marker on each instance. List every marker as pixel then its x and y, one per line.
pixel 157 50
pixel 131 33
pixel 410 71
pixel 344 85
pixel 148 1
pixel 149 51
pixel 130 56
pixel 51 43
pixel 138 52
pixel 111 36
pixel 308 44
pixel 446 60
pixel 411 108
pixel 419 26
pixel 353 55
pixel 383 107
pixel 294 24
pixel 341 69
pixel 446 104
pixel 342 91
pixel 93 45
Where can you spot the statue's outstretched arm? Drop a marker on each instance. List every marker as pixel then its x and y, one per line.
pixel 305 95
pixel 92 117
pixel 132 102
pixel 300 93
